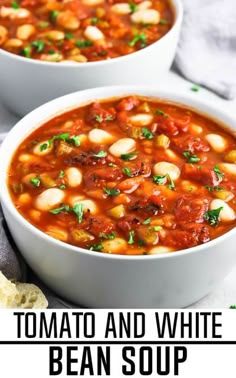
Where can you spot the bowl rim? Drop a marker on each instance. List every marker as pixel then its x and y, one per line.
pixel 207 108
pixel 178 13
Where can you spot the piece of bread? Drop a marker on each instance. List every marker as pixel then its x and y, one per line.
pixel 30 296
pixel 8 292
pixel 20 295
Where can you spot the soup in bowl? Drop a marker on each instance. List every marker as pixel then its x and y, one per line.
pixel 120 197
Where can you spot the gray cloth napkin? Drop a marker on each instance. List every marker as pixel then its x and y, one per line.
pixel 206 53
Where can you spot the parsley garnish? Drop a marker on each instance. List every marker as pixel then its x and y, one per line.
pixel 127 172
pixel 61 174
pixel 39 45
pixel 68 36
pixel 100 154
pixel 77 210
pixel 160 180
pixel 163 21
pixel 81 43
pixel 131 237
pixel 219 174
pixel 213 188
pixel 60 209
pixel 35 181
pixel 96 247
pixel 128 156
pixel 142 38
pixel 195 88
pixel 53 15
pixel 232 307
pixel 147 133
pixel 62 186
pixel 26 51
pixel 190 157
pixel 171 185
pixel 110 236
pixel 112 192
pixel 112 165
pixel 212 216
pixel 160 112
pixel 98 118
pixel 94 20
pixel 155 228
pixel 15 5
pixel 133 7
pixel 147 221
pixel 65 137
pixel 44 24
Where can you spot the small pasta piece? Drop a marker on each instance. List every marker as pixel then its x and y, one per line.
pixel 164 168
pixel 122 146
pixel 73 177
pixel 35 215
pixel 217 142
pixel 49 198
pixel 100 136
pixel 195 129
pixel 93 34
pixel 13 43
pixel 68 20
pixel 115 246
pixel 121 8
pixel 3 34
pixel 142 119
pixel 40 150
pixel 88 205
pixel 24 199
pixel 227 214
pixel 146 16
pixel 14 14
pixel 159 250
pixel 228 168
pixel 55 35
pixel 57 233
pixel 145 5
pixel 26 31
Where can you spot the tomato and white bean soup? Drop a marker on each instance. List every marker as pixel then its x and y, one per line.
pixel 129 176
pixel 81 30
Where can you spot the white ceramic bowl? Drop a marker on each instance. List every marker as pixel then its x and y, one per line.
pixel 102 280
pixel 27 83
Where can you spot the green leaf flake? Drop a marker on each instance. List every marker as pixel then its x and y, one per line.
pixel 212 216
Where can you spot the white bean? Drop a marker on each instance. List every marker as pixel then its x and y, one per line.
pixel 3 34
pixel 93 34
pixel 13 43
pixel 145 5
pixel 195 129
pixel 122 146
pixel 228 168
pixel 217 142
pixel 146 16
pixel 55 35
pixel 100 136
pixel 92 3
pixel 26 158
pixel 40 150
pixel 12 13
pixel 68 20
pixel 25 31
pixel 73 176
pixel 142 119
pixel 49 199
pixel 160 250
pixel 117 245
pixel 88 205
pixel 227 214
pixel 164 168
pixel 121 8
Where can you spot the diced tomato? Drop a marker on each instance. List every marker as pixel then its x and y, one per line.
pixel 128 103
pixel 191 236
pixel 128 223
pixel 182 123
pixel 166 126
pixel 97 114
pixel 98 177
pixel 191 209
pixel 131 184
pixel 189 143
pixel 98 224
pixel 204 175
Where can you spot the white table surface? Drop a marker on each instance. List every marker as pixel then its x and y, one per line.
pixel 225 294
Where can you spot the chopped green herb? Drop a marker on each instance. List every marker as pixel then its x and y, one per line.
pixel 127 157
pixel 160 112
pixel 155 228
pixel 112 192
pixel 98 118
pixel 199 167
pixel 68 36
pixel 141 243
pixel 96 247
pixel 109 118
pixel 171 185
pixel 51 52
pixel 133 7
pixel 94 20
pixel 61 174
pixel 100 154
pixel 147 133
pixel 44 24
pixel 195 88
pixel 15 5
pixel 213 188
pixel 53 15
pixel 62 186
pixel 219 174
pixel 232 307
pixel 158 179
pixel 76 140
pixel 26 51
pixel 190 157
pixel 112 165
pixel 39 45
pixel 142 38
pixel 110 236
pixel 131 237
pixel 127 172
pixel 81 43
pixel 163 22
pixel 35 181
pixel 43 146
pixel 65 137
pixel 212 216
pixel 147 221
pixel 78 209
pixel 60 209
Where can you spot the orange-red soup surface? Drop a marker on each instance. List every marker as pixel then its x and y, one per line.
pixel 127 176
pixel 81 30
